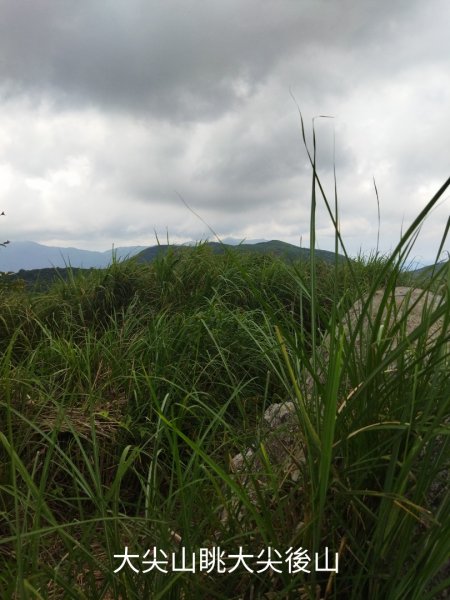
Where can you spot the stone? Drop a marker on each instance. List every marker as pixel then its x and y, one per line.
pixel 282 445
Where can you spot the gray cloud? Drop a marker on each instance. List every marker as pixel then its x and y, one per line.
pixel 109 109
pixel 191 61
pixel 174 59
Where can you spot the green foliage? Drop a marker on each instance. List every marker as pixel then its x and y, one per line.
pixel 125 392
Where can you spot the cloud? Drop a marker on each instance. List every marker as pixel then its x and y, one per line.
pixel 196 60
pixel 174 60
pixel 111 110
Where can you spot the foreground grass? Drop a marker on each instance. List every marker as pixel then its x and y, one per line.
pixel 125 394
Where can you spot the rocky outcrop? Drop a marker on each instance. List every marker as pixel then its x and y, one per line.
pixel 395 315
pixel 387 319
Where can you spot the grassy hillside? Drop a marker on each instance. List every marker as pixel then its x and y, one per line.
pixel 273 248
pixel 125 393
pixel 42 279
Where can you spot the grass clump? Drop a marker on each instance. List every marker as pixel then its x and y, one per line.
pixel 126 393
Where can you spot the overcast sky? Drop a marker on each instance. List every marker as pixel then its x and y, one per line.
pixel 110 110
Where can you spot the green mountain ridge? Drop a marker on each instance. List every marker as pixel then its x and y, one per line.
pixel 428 271
pixel 274 248
pixel 42 278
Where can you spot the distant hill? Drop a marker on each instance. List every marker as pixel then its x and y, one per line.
pixel 43 277
pixel 425 272
pixel 30 255
pixel 273 248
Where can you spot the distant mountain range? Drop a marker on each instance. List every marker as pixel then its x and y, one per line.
pixel 34 262
pixel 30 255
pixel 428 271
pixel 37 264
